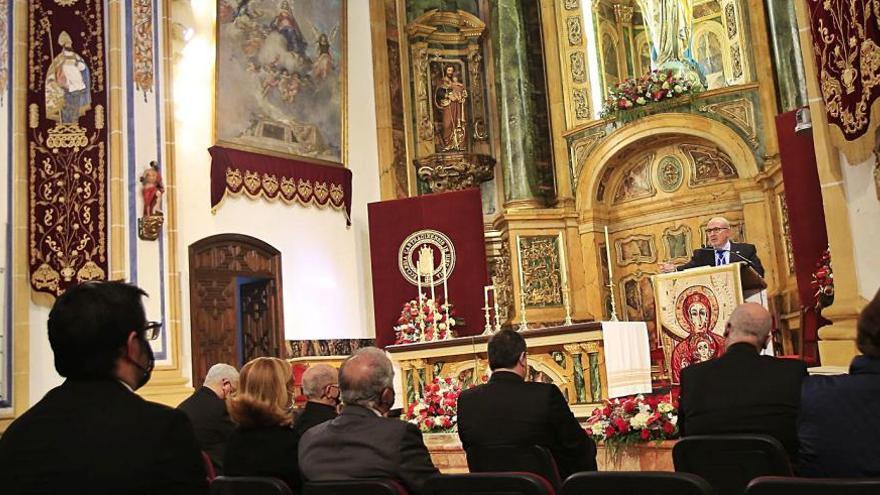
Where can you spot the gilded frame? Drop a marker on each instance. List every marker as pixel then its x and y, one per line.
pixel 343 96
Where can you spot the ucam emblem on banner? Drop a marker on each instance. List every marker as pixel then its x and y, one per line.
pixel 420 244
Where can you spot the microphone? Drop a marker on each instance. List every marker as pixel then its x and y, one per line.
pixel 743 258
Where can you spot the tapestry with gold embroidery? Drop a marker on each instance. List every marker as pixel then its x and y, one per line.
pixel 66 143
pixel 846 45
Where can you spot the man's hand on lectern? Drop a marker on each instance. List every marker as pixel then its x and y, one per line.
pixel 667 268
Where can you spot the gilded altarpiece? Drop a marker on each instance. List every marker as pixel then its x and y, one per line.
pixel 542 272
pixel 67 144
pixel 450 109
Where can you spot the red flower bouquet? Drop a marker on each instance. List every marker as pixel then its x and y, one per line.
pixel 823 281
pixel 632 420
pixel 425 322
pixel 650 89
pixel 437 410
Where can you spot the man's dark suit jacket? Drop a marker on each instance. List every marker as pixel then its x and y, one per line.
pixel 211 422
pixel 837 426
pixel 706 257
pixel 265 451
pixel 313 414
pixel 510 411
pixel 743 392
pixel 98 437
pixel 358 444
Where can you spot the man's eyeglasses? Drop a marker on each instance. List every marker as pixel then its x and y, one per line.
pixel 151 330
pixel 716 229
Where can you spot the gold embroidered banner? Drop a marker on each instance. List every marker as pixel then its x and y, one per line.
pixel 846 44
pixel 67 144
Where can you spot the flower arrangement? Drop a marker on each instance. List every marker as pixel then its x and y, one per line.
pixel 638 419
pixel 823 281
pixel 424 322
pixel 437 410
pixel 650 89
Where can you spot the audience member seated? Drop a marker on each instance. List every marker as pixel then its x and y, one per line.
pixel 742 391
pixel 321 385
pixel 511 411
pixel 837 424
pixel 263 443
pixel 362 443
pixel 93 434
pixel 206 409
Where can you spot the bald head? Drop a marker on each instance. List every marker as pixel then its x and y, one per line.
pixel 366 378
pixel 749 323
pixel 317 378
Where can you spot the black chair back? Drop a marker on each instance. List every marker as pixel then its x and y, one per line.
pixel 488 484
pixel 248 485
pixel 730 462
pixel 773 485
pixel 635 483
pixel 360 487
pixel 507 458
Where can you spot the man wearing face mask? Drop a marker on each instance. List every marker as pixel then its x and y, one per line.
pixel 206 409
pixel 362 443
pixel 93 434
pixel 321 385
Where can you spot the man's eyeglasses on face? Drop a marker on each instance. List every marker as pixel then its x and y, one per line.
pixel 716 229
pixel 151 330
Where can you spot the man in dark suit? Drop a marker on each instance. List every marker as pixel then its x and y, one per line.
pixel 321 385
pixel 362 443
pixel 206 410
pixel 837 425
pixel 511 411
pixel 93 434
pixel 722 252
pixel 742 391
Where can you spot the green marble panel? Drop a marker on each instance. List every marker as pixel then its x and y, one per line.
pixel 595 382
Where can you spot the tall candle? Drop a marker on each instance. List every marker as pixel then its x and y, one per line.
pixel 563 263
pixel 608 255
pixel 419 278
pixel 445 287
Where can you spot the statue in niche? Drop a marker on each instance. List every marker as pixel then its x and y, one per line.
pixel 68 84
pixel 152 191
pixel 450 95
pixel 669 24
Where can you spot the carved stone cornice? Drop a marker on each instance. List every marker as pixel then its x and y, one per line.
pixel 467 27
pixel 455 171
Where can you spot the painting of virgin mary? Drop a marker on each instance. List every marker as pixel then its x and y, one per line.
pixel 697 314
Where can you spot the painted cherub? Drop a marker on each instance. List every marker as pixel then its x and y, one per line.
pixel 152 190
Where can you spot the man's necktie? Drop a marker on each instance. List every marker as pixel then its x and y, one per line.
pixel 719 258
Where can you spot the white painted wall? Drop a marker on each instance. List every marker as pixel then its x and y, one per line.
pixel 326 267
pixel 864 218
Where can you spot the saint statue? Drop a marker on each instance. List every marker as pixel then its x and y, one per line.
pixel 68 84
pixel 152 190
pixel 669 24
pixel 449 98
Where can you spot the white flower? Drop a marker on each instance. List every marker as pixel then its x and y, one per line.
pixel 673 419
pixel 597 429
pixel 640 420
pixel 644 408
pixel 641 100
pixel 451 322
pixel 664 407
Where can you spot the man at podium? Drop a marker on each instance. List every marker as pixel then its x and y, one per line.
pixel 721 250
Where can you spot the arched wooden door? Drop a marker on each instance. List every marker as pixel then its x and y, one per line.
pixel 235 302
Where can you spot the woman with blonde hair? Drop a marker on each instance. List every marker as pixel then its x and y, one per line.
pixel 263 443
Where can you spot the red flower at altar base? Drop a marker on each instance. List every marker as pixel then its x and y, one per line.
pixel 823 281
pixel 635 419
pixel 437 410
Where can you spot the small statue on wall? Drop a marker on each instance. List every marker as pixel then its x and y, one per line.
pixel 152 191
pixel 449 98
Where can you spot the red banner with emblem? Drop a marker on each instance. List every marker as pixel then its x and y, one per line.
pixel 450 225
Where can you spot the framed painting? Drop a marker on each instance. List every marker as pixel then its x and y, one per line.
pixel 280 85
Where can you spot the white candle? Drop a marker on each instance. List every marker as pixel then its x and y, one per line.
pixel 419 279
pixel 608 254
pixel 445 286
pixel 430 270
pixel 563 264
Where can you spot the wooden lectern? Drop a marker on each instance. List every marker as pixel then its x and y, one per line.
pixel 693 307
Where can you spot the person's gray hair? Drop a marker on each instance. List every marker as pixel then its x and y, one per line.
pixel 220 372
pixel 364 375
pixel 316 378
pixel 750 320
pixel 721 220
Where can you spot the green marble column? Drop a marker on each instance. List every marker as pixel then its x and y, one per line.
pixel 515 106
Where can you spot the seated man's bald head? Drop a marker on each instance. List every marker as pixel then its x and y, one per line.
pixel 749 323
pixel 366 378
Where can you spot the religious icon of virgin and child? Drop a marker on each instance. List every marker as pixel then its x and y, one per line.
pixel 696 310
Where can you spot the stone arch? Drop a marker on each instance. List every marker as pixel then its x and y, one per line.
pixel 710 130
